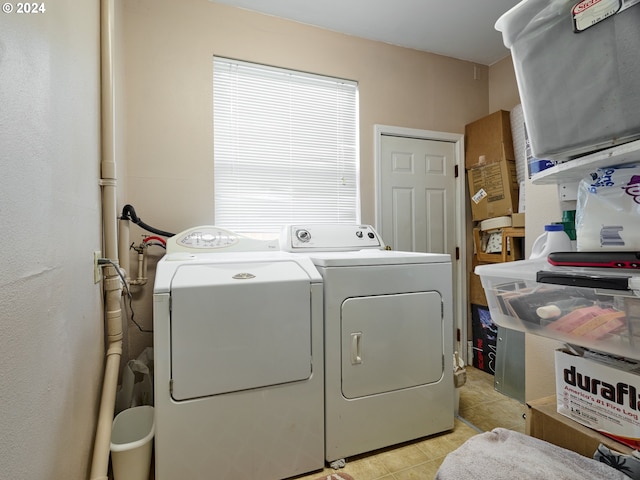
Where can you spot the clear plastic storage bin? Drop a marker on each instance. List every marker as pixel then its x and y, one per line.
pixel 594 308
pixel 578 83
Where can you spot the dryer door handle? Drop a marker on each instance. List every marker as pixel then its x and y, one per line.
pixel 356 357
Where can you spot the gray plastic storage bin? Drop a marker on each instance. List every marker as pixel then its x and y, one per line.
pixel 580 91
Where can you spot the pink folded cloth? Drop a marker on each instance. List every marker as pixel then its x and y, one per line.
pixel 584 320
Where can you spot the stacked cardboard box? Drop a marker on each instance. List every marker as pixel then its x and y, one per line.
pixel 488 140
pixel 491 168
pixel 600 391
pixel 493 190
pixel 544 422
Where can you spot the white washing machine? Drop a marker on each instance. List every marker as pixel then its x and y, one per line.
pixel 388 338
pixel 238 360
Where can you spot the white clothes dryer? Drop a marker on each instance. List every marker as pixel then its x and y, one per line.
pixel 238 359
pixel 388 338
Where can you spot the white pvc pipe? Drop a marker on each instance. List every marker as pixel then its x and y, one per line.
pixel 141 279
pixel 102 445
pixel 112 284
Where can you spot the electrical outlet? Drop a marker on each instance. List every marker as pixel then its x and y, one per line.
pixel 97 271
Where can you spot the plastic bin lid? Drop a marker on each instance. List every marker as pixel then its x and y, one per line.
pixel 518 270
pixel 513 22
pixel 527 270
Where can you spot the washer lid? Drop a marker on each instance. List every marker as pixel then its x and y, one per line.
pixel 169 264
pixel 239 326
pixel 375 257
pixel 228 273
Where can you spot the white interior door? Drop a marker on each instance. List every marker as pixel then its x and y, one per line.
pixel 417 194
pixel 420 203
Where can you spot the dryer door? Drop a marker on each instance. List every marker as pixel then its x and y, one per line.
pixel 391 342
pixel 239 326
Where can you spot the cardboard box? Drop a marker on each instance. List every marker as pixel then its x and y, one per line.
pixel 601 392
pixel 493 190
pixel 517 220
pixel 544 422
pixel 489 140
pixel 476 291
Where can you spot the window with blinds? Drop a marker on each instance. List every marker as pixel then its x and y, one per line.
pixel 285 148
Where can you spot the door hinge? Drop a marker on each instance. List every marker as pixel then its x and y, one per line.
pixel 171 387
pixel 455 171
pixel 457 253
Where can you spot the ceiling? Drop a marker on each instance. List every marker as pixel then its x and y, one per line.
pixel 462 29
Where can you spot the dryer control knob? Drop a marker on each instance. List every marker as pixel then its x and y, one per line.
pixel 303 235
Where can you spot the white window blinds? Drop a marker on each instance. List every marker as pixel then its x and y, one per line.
pixel 285 148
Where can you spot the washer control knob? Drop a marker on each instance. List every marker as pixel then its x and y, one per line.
pixel 371 235
pixel 359 234
pixel 303 235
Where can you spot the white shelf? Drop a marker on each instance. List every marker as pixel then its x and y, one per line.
pixel 575 170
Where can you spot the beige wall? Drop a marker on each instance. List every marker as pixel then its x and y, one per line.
pixel 503 88
pixel 51 325
pixel 168 49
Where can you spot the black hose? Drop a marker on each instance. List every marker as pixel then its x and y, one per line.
pixel 129 213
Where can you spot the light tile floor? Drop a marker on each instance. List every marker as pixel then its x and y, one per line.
pixel 481 409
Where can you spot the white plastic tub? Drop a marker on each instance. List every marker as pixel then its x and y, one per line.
pixel 131 443
pixel 598 318
pixel 579 90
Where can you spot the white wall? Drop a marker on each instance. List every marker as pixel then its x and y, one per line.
pixel 542 207
pixel 51 330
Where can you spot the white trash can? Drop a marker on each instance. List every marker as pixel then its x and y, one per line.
pixel 131 443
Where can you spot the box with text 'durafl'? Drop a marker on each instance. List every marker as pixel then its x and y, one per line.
pixel 601 392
